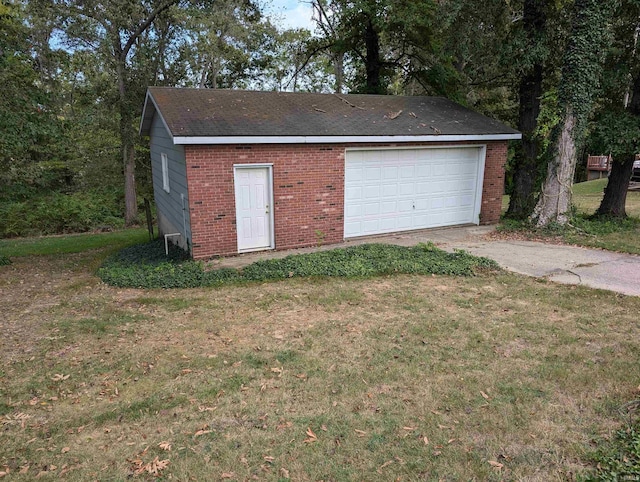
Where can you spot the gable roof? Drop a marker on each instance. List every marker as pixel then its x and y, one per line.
pixel 216 116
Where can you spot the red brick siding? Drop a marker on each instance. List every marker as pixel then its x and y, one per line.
pixel 308 184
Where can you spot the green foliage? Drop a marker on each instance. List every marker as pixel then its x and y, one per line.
pixel 583 58
pixel 580 225
pixel 75 243
pixel 57 213
pixel 146 266
pixel 618 459
pixel 4 260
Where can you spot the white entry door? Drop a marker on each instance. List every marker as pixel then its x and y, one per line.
pixel 389 190
pixel 254 220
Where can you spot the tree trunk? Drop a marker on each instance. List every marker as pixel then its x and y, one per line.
pixel 525 174
pixel 554 204
pixel 614 201
pixel 373 63
pixel 127 149
pixel 582 64
pixel 338 70
pixel 615 194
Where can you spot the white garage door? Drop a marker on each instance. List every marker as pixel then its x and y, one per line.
pixel 388 190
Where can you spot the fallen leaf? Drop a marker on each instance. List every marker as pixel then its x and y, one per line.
pixel 284 473
pixel 24 469
pixel 361 433
pixel 206 409
pixel 269 458
pixel 387 463
pixel 323 428
pixel 495 464
pixel 227 475
pixel 58 377
pixel 408 428
pixel 201 432
pixel 425 440
pixel 165 446
pixel 311 436
pixel 484 395
pixel 65 450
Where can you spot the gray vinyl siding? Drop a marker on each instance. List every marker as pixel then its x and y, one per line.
pixel 169 205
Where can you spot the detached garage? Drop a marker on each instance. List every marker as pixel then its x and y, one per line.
pixel 240 171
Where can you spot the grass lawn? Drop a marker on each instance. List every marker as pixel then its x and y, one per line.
pixel 71 243
pixel 407 377
pixel 623 237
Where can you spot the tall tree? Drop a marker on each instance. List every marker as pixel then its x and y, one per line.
pixel 115 28
pixel 525 169
pixel 380 37
pixel 617 129
pixel 31 132
pixel 576 94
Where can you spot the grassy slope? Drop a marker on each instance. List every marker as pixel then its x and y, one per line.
pixel 586 198
pixel 74 243
pixel 391 378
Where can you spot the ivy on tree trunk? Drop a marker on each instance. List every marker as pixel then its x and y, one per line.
pixel 525 174
pixel 578 87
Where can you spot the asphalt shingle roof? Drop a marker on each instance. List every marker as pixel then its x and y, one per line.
pixel 241 113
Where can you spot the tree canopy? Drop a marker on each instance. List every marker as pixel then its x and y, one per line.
pixel 74 74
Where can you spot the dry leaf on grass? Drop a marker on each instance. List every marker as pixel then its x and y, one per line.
pixel 387 463
pixel 165 446
pixel 361 433
pixel 425 440
pixel 227 475
pixel 65 450
pixel 155 467
pixel 484 395
pixel 201 432
pixel 311 436
pixel 58 377
pixel 284 473
pixel 495 464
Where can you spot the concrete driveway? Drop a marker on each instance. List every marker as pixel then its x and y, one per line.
pixel 563 264
pixel 560 263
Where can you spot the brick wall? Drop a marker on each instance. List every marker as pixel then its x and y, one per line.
pixel 308 183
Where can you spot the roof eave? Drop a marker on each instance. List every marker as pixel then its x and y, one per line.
pixel 198 140
pixel 149 111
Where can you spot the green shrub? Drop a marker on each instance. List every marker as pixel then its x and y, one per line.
pixel 146 266
pixel 618 459
pixel 57 213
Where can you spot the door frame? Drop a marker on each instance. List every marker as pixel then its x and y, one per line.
pixel 272 237
pixel 482 157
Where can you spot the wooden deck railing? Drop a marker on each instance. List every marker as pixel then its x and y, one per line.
pixel 599 163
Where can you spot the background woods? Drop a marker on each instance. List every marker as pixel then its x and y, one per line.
pixel 75 73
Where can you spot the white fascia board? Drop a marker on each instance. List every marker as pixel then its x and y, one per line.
pixel 341 139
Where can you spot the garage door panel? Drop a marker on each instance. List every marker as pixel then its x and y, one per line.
pixel 405 189
pixel 405 206
pixel 389 207
pixel 389 190
pixel 354 192
pixel 371 209
pixel 373 173
pixel 406 172
pixel 372 192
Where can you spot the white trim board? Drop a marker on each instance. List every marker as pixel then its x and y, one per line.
pixel 341 139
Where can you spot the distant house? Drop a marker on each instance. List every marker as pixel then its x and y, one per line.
pixel 237 171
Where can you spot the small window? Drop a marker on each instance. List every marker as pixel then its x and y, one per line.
pixel 165 172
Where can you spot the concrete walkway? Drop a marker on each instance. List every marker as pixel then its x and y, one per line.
pixel 560 263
